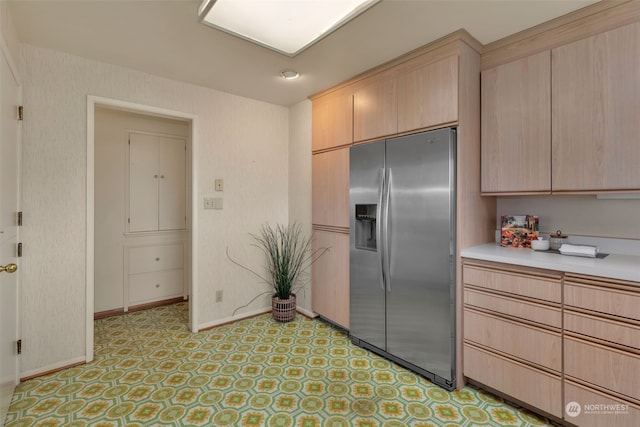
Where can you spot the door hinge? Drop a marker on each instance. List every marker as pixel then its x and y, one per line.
pixel 20 218
pixel 19 250
pixel 19 346
pixel 20 112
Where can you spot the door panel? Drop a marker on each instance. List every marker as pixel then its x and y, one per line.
pixel 143 182
pixel 420 250
pixel 172 184
pixel 9 170
pixel 367 301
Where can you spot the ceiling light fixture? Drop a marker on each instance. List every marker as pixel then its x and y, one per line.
pixel 286 26
pixel 290 74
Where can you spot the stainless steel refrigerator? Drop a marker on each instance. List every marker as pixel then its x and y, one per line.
pixel 402 251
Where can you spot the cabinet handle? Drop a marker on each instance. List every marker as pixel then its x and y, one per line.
pixel 157 259
pixel 155 176
pixel 157 285
pixel 162 176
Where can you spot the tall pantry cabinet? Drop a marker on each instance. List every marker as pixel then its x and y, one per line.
pixel 332 133
pixel 141 203
pixel 157 204
pixel 433 87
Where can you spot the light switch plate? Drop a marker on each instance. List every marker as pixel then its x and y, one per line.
pixel 209 203
pixel 217 203
pixel 219 183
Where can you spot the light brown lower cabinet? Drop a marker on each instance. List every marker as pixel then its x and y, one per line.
pixel 601 351
pixel 330 276
pixel 565 344
pixel 512 332
pixel 587 407
pixel 525 383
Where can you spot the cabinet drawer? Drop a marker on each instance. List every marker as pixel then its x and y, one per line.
pixel 604 329
pixel 147 287
pixel 616 302
pixel 609 368
pixel 539 313
pixel 525 342
pixel 516 283
pixel 599 409
pixel 532 386
pixel 146 259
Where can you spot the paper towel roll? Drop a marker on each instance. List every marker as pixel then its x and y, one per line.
pixel 579 250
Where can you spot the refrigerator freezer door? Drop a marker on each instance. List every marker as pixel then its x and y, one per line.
pixel 367 299
pixel 420 250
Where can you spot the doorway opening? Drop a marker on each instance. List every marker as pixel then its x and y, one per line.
pixel 141 210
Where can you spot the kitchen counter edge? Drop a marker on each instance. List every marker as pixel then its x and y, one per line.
pixel 614 266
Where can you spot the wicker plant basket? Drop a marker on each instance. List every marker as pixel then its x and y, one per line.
pixel 284 310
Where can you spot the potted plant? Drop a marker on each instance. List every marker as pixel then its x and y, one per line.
pixel 288 254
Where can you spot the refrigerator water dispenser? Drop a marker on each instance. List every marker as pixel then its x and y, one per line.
pixel 366 227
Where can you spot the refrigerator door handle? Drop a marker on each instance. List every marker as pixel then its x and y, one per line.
pixel 387 247
pixel 381 177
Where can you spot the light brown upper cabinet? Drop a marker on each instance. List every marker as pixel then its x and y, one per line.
pixel 332 121
pixel 375 110
pixel 596 106
pixel 330 188
pixel 516 126
pixel 428 96
pixel 418 96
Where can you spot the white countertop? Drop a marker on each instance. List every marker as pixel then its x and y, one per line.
pixel 614 266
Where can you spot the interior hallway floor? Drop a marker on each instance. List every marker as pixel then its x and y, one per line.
pixel 149 370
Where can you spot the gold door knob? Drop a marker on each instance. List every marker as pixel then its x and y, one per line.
pixel 9 268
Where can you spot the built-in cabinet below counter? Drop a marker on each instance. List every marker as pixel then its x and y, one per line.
pixel 571 340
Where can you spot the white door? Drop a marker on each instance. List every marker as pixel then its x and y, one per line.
pixel 9 169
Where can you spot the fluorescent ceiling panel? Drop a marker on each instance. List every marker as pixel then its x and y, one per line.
pixel 286 26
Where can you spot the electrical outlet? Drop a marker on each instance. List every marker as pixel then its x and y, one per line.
pixel 219 296
pixel 219 183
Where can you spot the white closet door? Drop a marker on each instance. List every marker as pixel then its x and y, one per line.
pixel 172 184
pixel 143 182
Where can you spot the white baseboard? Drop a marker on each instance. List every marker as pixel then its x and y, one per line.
pixel 244 315
pixel 307 313
pixel 230 319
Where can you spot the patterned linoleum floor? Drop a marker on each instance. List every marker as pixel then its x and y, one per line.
pixel 150 370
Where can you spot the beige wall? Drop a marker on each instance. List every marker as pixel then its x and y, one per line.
pixel 8 32
pixel 577 215
pixel 300 179
pixel 243 141
pixel 111 143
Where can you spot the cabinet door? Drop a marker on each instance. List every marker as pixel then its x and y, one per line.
pixel 172 201
pixel 332 121
pixel 375 110
pixel 330 277
pixel 428 96
pixel 143 182
pixel 157 183
pixel 516 126
pixel 155 286
pixel 596 100
pixel 330 188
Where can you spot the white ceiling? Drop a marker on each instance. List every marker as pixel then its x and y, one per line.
pixel 164 37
